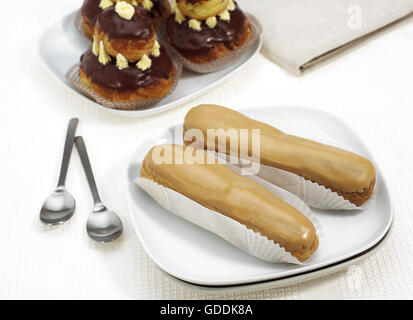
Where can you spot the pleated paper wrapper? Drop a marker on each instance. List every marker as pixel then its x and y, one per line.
pixel 313 194
pixel 229 229
pixel 220 63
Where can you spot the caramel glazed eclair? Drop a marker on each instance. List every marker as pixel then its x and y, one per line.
pixel 126 62
pixel 222 190
pixel 159 11
pixel 349 175
pixel 205 30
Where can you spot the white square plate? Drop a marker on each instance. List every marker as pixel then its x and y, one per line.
pixel 61 47
pixel 199 257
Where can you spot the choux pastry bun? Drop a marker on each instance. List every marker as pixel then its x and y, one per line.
pixel 159 11
pixel 130 83
pixel 221 28
pixel 90 11
pixel 201 9
pixel 130 34
pixel 126 62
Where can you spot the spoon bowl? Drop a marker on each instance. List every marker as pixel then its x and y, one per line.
pixel 103 225
pixel 58 207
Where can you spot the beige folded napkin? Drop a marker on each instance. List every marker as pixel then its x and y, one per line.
pixel 299 34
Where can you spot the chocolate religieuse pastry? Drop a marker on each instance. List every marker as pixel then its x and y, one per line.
pixel 205 30
pixel 349 175
pixel 222 190
pixel 159 11
pixel 126 62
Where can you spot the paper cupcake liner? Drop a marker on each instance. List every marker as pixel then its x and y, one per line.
pixel 256 29
pixel 228 229
pixel 73 76
pixel 313 194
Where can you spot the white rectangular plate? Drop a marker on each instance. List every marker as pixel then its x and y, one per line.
pixel 194 255
pixel 61 47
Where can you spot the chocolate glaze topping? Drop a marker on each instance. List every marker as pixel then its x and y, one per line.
pixel 91 9
pixel 139 27
pixel 191 42
pixel 131 78
pixel 160 8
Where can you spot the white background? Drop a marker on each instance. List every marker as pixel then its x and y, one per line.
pixel 370 88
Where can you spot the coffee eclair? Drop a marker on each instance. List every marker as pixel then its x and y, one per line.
pixel 345 173
pixel 220 189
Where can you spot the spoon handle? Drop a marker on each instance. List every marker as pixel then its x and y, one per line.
pixel 70 136
pixel 81 148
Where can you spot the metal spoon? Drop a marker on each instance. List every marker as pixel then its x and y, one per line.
pixel 60 205
pixel 102 225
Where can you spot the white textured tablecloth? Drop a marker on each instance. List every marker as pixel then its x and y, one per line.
pixel 370 89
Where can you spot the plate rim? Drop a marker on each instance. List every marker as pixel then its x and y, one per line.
pixel 285 281
pixel 145 112
pixel 305 269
